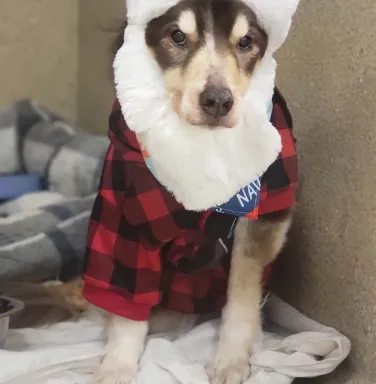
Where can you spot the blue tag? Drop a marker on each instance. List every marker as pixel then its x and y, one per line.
pixel 245 203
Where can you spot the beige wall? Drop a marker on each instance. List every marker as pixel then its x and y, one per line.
pixel 328 73
pixel 59 53
pixel 99 26
pixel 38 53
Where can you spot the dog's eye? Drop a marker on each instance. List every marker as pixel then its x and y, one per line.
pixel 178 37
pixel 245 43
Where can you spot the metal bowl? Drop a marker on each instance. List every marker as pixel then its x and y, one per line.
pixel 8 308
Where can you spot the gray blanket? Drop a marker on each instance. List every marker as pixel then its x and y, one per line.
pixel 42 235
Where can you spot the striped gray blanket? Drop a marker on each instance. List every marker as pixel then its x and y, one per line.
pixel 42 235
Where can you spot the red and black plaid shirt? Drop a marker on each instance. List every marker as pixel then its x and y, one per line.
pixel 144 249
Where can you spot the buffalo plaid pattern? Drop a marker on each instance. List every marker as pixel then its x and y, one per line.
pixel 280 181
pixel 144 249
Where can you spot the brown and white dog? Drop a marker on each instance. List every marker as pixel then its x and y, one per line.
pixel 203 72
pixel 200 74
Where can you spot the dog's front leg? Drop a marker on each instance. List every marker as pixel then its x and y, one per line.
pixel 241 324
pixel 255 245
pixel 126 342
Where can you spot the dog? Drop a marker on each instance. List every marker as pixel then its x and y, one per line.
pixel 192 83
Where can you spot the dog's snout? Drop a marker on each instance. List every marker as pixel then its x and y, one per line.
pixel 216 102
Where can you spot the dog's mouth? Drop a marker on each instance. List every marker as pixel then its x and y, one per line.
pixel 207 51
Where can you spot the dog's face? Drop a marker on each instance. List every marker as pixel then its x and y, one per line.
pixel 208 51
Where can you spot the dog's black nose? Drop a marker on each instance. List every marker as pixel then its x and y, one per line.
pixel 216 102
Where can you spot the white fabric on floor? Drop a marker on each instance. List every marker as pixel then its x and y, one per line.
pixel 67 353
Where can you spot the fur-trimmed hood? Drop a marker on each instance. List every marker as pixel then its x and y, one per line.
pixel 201 168
pixel 273 15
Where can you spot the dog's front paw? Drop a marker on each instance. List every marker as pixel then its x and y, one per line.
pixel 111 372
pixel 229 368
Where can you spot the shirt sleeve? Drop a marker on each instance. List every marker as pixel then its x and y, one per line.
pixel 133 217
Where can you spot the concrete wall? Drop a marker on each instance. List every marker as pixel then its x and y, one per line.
pixel 38 53
pixel 328 73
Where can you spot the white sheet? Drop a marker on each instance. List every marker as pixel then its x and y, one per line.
pixel 294 346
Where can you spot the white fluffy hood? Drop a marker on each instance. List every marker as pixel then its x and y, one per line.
pixel 201 168
pixel 273 15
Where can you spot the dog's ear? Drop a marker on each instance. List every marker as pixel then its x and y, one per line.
pixel 275 17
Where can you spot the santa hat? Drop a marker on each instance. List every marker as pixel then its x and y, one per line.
pixel 273 15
